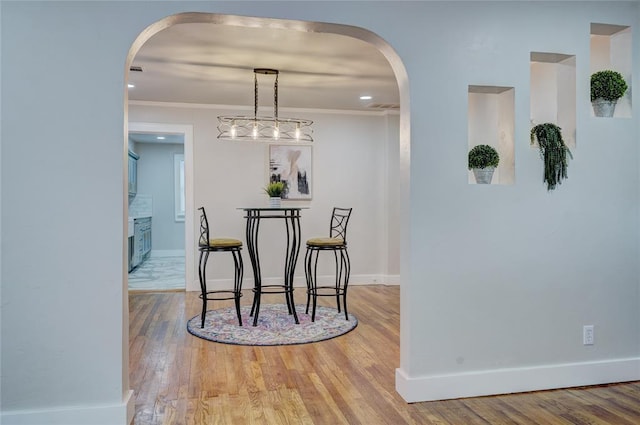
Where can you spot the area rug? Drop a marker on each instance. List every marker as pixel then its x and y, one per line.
pixel 275 325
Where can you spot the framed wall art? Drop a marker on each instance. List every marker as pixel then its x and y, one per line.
pixel 292 165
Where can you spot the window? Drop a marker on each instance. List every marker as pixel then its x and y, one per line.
pixel 178 177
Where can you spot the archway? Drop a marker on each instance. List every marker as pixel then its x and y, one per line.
pixel 348 31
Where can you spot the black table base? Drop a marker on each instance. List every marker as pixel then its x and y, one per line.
pixel 291 216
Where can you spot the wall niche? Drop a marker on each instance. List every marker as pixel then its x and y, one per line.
pixel 553 92
pixel 491 121
pixel 611 49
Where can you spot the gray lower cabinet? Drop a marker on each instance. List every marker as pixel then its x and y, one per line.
pixel 131 256
pixel 141 241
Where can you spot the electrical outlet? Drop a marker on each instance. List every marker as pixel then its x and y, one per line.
pixel 587 335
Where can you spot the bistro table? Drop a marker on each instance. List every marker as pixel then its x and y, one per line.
pixel 291 216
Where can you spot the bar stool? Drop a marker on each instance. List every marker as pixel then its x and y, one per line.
pixel 206 245
pixel 336 243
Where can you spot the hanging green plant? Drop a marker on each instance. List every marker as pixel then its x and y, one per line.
pixel 553 152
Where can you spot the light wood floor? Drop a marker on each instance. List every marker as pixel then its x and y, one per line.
pixel 181 379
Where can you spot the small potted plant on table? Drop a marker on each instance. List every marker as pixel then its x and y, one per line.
pixel 483 160
pixel 606 88
pixel 275 191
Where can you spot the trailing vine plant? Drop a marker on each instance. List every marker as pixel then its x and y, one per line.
pixel 553 152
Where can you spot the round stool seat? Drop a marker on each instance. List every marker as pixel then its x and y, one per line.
pixel 223 243
pixel 325 242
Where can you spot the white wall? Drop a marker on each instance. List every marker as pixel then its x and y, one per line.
pixel 504 280
pixel 349 155
pixel 393 199
pixel 155 178
pixel 493 297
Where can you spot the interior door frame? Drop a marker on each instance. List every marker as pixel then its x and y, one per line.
pixel 189 236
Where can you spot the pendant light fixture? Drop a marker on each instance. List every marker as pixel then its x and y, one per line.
pixel 262 128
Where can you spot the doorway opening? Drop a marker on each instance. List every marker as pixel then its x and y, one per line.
pixel 165 194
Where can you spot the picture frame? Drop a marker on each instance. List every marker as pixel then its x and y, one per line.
pixel 292 164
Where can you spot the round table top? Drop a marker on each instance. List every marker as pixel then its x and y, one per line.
pixel 271 208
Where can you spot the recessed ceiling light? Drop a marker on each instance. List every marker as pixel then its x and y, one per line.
pixel 161 137
pixel 366 97
pixel 130 85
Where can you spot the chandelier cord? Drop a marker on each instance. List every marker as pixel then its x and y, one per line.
pixel 275 98
pixel 255 95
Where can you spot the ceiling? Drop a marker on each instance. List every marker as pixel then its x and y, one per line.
pixel 208 63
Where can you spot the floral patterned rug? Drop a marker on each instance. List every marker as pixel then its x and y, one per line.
pixel 275 325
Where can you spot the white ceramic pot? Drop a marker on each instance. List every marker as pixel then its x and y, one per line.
pixel 274 202
pixel 604 108
pixel 483 175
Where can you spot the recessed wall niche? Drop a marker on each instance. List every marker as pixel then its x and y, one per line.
pixel 611 49
pixel 553 92
pixel 491 121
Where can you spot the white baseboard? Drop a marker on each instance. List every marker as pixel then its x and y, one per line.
pixel 157 253
pixel 516 380
pixel 299 281
pixel 119 414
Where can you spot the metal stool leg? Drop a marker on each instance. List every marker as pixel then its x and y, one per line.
pixel 307 275
pixel 338 277
pixel 347 271
pixel 256 303
pixel 314 286
pixel 237 282
pixel 203 284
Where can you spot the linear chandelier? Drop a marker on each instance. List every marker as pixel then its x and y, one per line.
pixel 268 129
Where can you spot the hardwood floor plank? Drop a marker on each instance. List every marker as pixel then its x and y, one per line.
pixel 180 379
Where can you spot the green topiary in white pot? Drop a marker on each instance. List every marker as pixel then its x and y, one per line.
pixel 606 88
pixel 483 160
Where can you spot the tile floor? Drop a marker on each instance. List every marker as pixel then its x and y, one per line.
pixel 158 273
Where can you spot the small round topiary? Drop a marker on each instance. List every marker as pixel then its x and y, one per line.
pixel 483 156
pixel 608 85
